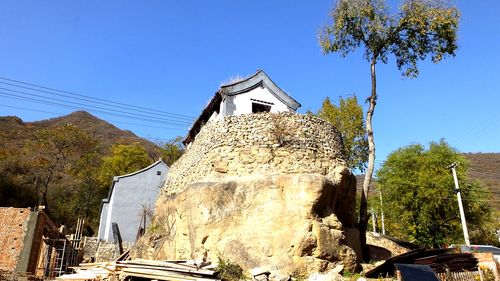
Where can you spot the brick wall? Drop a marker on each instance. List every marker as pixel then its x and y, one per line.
pixel 13 226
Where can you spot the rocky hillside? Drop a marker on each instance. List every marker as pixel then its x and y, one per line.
pixel 16 132
pixel 485 167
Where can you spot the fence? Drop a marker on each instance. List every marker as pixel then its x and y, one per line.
pixel 466 276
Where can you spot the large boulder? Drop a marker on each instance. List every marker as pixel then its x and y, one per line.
pixel 288 221
pixel 261 190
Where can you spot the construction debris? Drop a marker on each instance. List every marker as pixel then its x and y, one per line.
pixel 144 269
pixel 439 260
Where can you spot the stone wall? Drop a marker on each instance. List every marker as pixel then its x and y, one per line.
pixel 267 189
pixel 263 144
pixel 106 251
pixel 95 250
pixel 384 247
pixel 13 227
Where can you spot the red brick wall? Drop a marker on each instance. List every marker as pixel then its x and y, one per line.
pixel 13 225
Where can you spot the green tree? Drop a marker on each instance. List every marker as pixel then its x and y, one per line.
pixel 420 204
pixel 52 155
pixel 171 150
pixel 89 189
pixel 419 29
pixel 14 190
pixel 124 159
pixel 347 117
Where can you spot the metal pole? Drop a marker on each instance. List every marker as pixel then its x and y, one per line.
pixel 382 211
pixel 461 208
pixel 373 221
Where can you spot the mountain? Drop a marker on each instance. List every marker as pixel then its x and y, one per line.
pixel 15 131
pixel 485 167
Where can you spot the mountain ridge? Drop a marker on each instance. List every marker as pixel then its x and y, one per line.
pixel 15 131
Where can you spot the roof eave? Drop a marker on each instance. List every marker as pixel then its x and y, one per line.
pixel 260 79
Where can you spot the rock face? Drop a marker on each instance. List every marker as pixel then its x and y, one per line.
pixel 260 190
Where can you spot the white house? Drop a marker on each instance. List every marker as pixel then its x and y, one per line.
pixel 127 198
pixel 257 93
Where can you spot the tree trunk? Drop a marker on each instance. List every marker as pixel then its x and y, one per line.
pixel 363 205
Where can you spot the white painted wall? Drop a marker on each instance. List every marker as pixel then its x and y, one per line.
pixel 242 103
pixel 130 193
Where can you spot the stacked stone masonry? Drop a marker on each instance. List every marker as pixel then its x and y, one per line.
pixel 95 250
pixel 262 190
pixel 263 144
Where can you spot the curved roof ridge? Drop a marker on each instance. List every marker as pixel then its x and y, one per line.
pixel 242 80
pixel 115 178
pixel 260 78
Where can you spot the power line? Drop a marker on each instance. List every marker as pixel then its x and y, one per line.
pixel 468 199
pixel 484 173
pixel 478 130
pixel 84 99
pixel 110 121
pixel 155 139
pixel 111 103
pixel 18 97
pixel 29 109
pixel 134 115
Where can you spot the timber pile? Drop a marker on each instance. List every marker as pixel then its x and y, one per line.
pixel 142 269
pixel 439 260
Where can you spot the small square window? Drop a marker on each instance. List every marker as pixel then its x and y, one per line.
pixel 258 107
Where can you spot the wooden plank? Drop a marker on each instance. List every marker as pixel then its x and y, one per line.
pixel 123 256
pixel 94 264
pixel 117 238
pixel 159 274
pixel 147 276
pixel 164 263
pixel 195 272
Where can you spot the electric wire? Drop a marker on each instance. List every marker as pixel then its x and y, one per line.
pixel 86 100
pixel 34 110
pixel 18 97
pixel 133 115
pixel 111 103
pixel 491 122
pixel 55 114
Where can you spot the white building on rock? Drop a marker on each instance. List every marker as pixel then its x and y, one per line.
pixel 257 93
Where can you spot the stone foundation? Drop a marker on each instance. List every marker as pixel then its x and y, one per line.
pixel 258 144
pixel 262 190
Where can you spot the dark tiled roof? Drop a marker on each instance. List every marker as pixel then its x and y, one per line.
pixel 259 79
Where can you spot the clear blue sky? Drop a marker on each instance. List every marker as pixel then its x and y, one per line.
pixel 173 55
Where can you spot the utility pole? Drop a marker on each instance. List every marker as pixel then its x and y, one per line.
pixel 459 198
pixel 373 221
pixel 382 211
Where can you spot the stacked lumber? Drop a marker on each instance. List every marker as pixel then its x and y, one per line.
pixel 142 269
pixel 91 271
pixel 165 270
